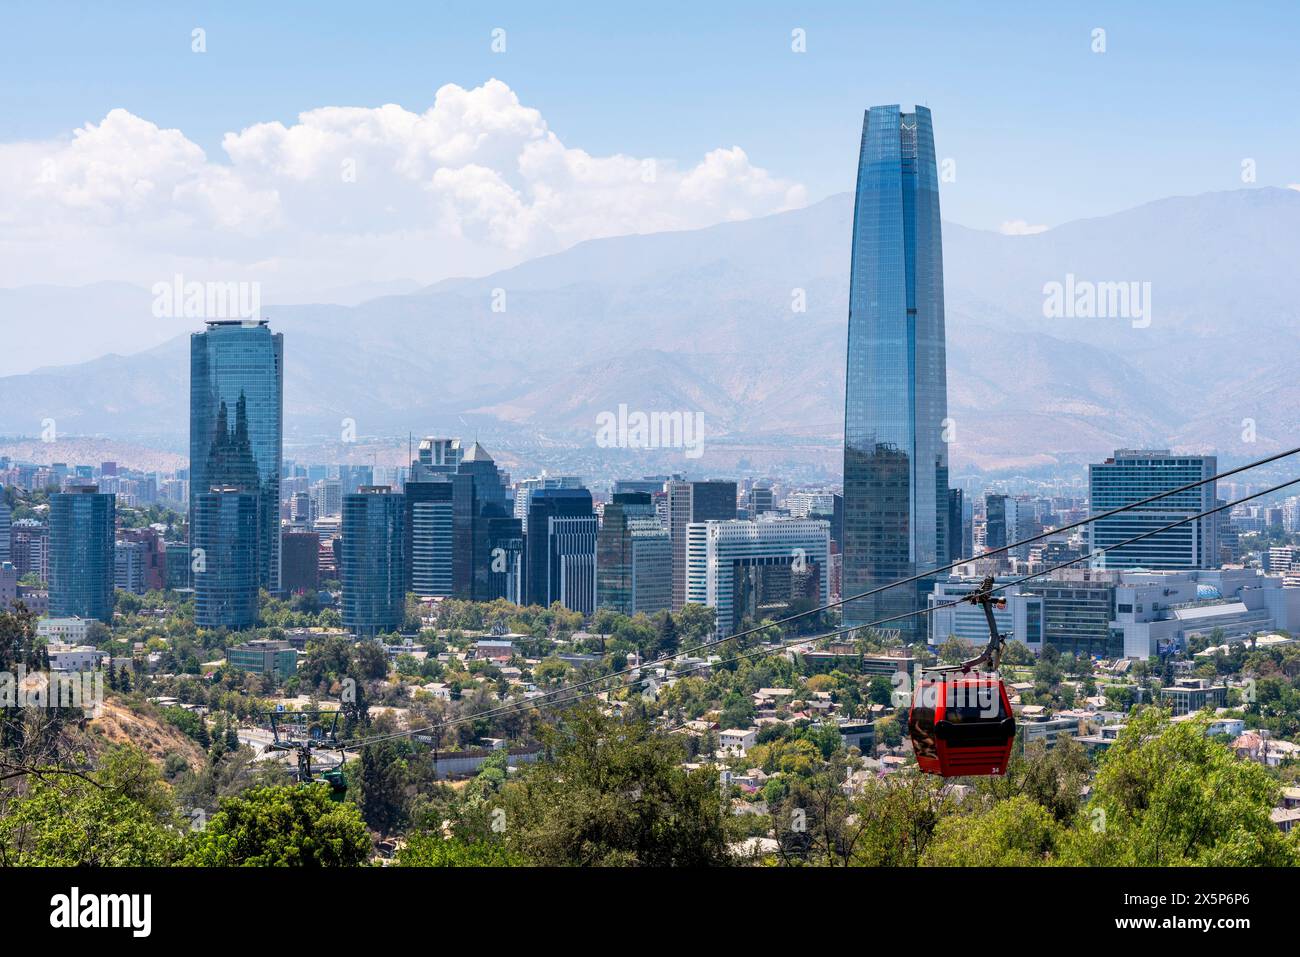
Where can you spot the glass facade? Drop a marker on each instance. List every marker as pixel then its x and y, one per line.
pixel 236 418
pixel 82 553
pixel 1132 475
pixel 560 549
pixel 373 561
pixel 634 557
pixel 225 567
pixel 895 456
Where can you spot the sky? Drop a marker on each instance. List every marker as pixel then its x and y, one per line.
pixel 313 144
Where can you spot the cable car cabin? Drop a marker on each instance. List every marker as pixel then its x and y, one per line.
pixel 961 724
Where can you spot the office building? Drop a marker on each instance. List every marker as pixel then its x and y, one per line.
pixel 560 549
pixel 128 567
pixel 225 566
pixel 895 410
pixel 1132 475
pixel 757 569
pixel 81 553
pixel 299 561
pixel 634 557
pixel 262 656
pixel 687 503
pixel 1021 617
pixel 236 426
pixel 373 561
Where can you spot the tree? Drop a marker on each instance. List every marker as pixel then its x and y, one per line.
pixel 381 779
pixel 434 850
pixel 282 826
pixel 667 639
pixel 1017 832
pixel 1168 795
pixel 696 622
pixel 614 794
pixel 121 816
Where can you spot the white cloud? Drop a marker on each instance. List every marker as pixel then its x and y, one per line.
pixel 1019 227
pixel 1295 186
pixel 476 182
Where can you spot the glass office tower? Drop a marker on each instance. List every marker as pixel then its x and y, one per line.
pixel 1134 474
pixel 236 416
pixel 225 566
pixel 82 552
pixel 374 561
pixel 895 403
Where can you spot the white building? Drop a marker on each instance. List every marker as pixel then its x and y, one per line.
pixel 63 630
pixel 738 739
pixel 1021 618
pixel 66 657
pixel 717 551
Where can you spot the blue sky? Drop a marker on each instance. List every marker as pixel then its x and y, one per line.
pixel 1042 129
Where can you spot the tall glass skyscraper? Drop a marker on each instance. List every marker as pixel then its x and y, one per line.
pixel 236 425
pixel 224 529
pixel 374 561
pixel 82 521
pixel 896 397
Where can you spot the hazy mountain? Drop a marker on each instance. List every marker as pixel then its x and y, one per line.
pixel 705 320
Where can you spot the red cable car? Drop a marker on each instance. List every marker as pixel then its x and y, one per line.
pixel 961 725
pixel 960 721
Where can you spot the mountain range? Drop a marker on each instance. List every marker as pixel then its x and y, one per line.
pixel 708 320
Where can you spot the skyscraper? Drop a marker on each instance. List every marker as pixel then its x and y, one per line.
pixel 461 539
pixel 560 547
pixel 236 417
pixel 373 565
pixel 757 569
pixel 223 534
pixel 895 404
pixel 634 557
pixel 82 553
pixel 1132 475
pixel 694 502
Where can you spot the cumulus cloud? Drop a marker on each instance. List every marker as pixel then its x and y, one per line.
pixel 1019 227
pixel 477 181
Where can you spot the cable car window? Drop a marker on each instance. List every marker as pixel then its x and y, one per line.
pixel 921 722
pixel 966 703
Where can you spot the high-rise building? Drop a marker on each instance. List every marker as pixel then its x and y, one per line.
pixel 525 488
pixel 5 527
pixel 688 502
pixel 757 569
pixel 236 426
pixel 225 565
pixel 461 538
pixel 152 556
pixel 437 455
pixel 373 563
pixel 128 566
pixel 178 565
pixel 560 549
pixel 299 560
pixel 895 454
pixel 634 557
pixel 1131 475
pixel 956 526
pixel 759 500
pixel 81 553
pixel 429 536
